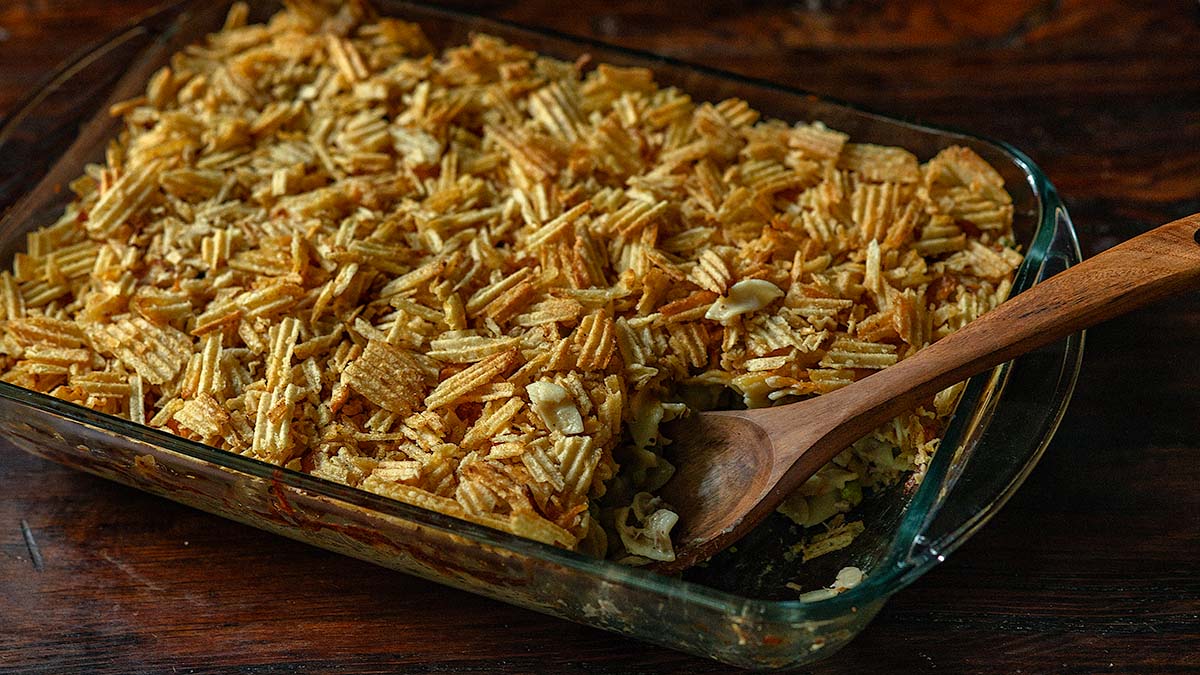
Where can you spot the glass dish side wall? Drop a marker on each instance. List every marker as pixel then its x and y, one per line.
pixel 428 545
pixel 40 151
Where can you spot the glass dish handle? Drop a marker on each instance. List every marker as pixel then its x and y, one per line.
pixel 971 498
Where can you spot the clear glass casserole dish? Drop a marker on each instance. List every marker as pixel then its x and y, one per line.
pixel 736 609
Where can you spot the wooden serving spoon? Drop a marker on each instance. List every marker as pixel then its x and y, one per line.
pixel 734 467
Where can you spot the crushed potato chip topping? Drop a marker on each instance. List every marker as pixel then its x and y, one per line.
pixel 478 281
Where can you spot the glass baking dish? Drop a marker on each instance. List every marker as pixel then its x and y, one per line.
pixel 737 608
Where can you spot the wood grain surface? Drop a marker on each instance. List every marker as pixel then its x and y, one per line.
pixel 1093 567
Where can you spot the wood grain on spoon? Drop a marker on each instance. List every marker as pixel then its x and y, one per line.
pixel 734 467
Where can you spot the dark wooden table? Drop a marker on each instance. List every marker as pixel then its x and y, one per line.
pixel 1093 566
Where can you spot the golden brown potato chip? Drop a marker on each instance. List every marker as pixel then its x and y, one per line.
pixel 388 377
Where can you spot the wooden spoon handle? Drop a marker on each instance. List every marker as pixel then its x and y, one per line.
pixel 1139 271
